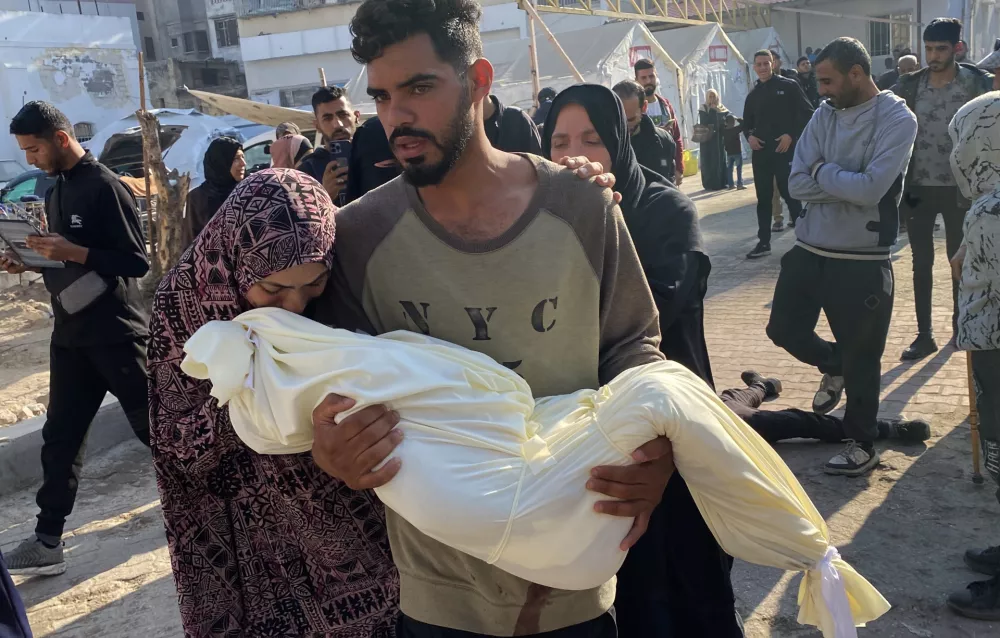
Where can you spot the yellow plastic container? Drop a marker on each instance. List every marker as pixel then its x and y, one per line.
pixel 691 162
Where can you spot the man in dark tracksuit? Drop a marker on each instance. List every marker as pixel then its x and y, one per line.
pixel 654 147
pixel 371 163
pixel 99 338
pixel 509 128
pixel 774 115
pixel 934 94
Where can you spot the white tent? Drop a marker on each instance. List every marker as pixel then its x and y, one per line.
pixel 708 60
pixel 754 40
pixel 604 55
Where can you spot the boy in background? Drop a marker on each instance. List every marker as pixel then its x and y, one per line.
pixel 734 151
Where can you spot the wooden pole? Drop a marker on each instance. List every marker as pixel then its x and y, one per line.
pixel 145 160
pixel 533 58
pixel 530 8
pixel 322 77
pixel 977 476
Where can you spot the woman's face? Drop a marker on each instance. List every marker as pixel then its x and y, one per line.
pixel 712 98
pixel 239 167
pixel 574 135
pixel 291 289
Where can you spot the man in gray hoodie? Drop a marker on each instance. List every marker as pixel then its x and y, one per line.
pixel 848 171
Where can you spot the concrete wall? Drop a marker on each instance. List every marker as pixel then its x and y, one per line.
pixel 818 31
pixel 221 10
pixel 285 50
pixel 111 8
pixel 86 65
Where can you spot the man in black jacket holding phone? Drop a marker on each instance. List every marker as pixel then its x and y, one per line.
pixel 99 338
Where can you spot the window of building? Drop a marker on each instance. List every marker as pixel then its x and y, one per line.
pixel 188 42
pixel 886 37
pixel 173 42
pixel 150 49
pixel 84 131
pixel 201 39
pixel 210 77
pixel 227 33
pixel 139 16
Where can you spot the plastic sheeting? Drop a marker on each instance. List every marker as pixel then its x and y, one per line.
pixel 493 473
pixel 603 55
pixel 709 60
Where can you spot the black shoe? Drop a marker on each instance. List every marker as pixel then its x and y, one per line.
pixel 791 224
pixel 923 346
pixel 762 250
pixel 857 459
pixel 985 561
pixel 827 398
pixel 980 600
pixel 772 387
pixel 916 431
pixel 778 227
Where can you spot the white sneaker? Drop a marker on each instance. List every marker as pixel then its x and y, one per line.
pixel 831 391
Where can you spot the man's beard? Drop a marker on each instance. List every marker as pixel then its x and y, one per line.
pixel 650 90
pixel 417 171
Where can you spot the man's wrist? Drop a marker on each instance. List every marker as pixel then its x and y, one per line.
pixel 814 170
pixel 80 254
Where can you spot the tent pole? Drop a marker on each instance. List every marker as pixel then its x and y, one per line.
pixel 322 77
pixel 145 161
pixel 533 58
pixel 530 8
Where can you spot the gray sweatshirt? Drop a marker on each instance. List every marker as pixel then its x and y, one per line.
pixel 848 173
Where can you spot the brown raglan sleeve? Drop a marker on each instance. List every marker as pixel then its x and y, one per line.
pixel 361 226
pixel 630 330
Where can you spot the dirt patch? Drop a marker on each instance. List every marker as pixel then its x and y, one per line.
pixel 25 331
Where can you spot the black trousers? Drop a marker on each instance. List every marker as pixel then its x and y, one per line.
pixel 922 205
pixel 770 167
pixel 986 374
pixel 79 379
pixel 857 297
pixel 779 425
pixel 601 627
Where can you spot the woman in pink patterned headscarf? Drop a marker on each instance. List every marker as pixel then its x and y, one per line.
pixel 260 545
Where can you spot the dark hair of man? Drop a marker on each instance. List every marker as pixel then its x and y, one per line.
pixel 630 88
pixel 943 30
pixel 548 93
pixel 890 63
pixel 326 95
pixel 452 25
pixel 643 64
pixel 845 54
pixel 40 119
pixel 763 52
pixel 801 60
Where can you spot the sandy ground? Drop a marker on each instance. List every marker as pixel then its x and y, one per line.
pixel 25 328
pixel 904 527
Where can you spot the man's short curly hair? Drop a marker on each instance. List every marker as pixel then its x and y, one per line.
pixel 453 26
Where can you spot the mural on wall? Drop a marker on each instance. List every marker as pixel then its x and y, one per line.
pixel 67 73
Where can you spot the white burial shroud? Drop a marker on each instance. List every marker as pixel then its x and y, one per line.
pixel 491 471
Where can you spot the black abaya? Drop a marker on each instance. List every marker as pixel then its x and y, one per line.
pixel 712 154
pixel 675 582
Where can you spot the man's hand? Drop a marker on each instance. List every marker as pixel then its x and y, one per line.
pixel 9 263
pixel 784 143
pixel 334 179
pixel 352 449
pixel 756 143
pixel 585 169
pixel 679 179
pixel 957 262
pixel 639 487
pixel 56 248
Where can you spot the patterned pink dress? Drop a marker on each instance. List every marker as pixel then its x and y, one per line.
pixel 260 545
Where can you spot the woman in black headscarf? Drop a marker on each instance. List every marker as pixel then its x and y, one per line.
pixel 712 152
pixel 225 167
pixel 675 582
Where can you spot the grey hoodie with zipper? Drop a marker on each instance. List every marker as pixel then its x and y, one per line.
pixel 848 172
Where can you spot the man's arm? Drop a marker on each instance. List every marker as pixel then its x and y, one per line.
pixel 749 116
pixel 808 152
pixel 532 140
pixel 893 145
pixel 118 219
pixel 675 132
pixel 630 332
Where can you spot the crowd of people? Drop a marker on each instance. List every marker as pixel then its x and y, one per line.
pixel 557 243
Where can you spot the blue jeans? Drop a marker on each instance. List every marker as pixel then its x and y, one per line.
pixel 737 162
